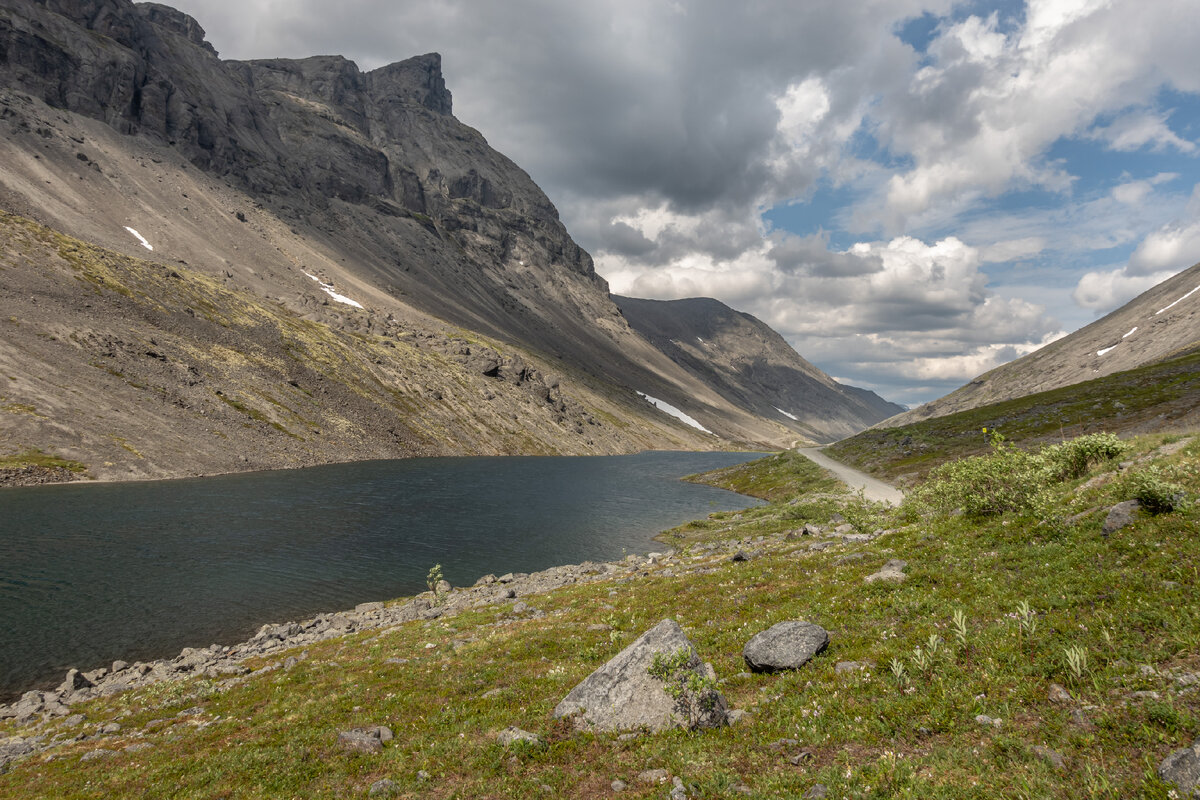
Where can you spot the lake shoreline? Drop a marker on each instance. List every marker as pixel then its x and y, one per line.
pixel 225 663
pixel 154 659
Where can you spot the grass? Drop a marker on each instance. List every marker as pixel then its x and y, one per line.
pixel 1003 599
pixel 34 457
pixel 1149 397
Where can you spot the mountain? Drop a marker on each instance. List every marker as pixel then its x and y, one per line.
pixel 315 193
pixel 752 366
pixel 1160 324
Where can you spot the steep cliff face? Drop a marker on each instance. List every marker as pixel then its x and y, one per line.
pixel 1158 324
pixel 350 199
pixel 753 367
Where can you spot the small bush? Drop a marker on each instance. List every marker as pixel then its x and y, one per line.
pixel 1074 458
pixel 1005 480
pixel 1156 494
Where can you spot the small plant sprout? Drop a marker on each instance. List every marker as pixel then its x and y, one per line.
pixel 434 578
pixel 958 626
pixel 1076 656
pixel 695 695
pixel 1026 622
pixel 899 671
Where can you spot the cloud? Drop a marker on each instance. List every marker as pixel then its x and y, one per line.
pixel 1135 192
pixel 1142 129
pixel 1107 290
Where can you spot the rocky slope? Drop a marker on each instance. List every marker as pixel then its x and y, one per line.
pixel 351 200
pixel 1159 324
pixel 753 367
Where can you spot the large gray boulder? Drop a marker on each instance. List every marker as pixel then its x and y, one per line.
pixel 1182 768
pixel 786 645
pixel 622 695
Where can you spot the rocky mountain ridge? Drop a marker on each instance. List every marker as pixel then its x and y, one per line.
pixel 751 365
pixel 350 199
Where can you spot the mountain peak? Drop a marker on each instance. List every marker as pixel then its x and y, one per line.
pixel 416 80
pixel 175 21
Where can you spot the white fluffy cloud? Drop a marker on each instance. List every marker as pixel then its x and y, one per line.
pixel 1158 256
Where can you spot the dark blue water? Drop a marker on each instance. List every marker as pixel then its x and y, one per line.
pixel 92 573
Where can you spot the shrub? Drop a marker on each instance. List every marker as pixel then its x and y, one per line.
pixel 1005 480
pixel 1156 494
pixel 1074 458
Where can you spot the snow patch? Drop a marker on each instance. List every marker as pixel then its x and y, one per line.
pixel 786 414
pixel 1104 350
pixel 667 408
pixel 1177 302
pixel 328 289
pixel 1126 336
pixel 140 238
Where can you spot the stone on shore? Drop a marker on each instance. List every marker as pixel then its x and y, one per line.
pixel 1182 769
pixel 622 695
pixel 786 645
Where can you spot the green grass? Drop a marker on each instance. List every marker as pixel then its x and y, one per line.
pixel 34 457
pixel 1149 397
pixel 1127 600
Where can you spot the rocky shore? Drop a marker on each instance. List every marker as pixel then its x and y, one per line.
pixel 229 665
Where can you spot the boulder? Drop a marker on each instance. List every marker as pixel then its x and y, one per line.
pixel 786 645
pixel 512 735
pixel 1120 516
pixel 892 572
pixel 1182 769
pixel 74 682
pixel 622 695
pixel 364 740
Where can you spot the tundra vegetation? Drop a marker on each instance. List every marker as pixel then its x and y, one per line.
pixel 1018 651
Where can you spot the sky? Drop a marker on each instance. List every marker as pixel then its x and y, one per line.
pixel 911 192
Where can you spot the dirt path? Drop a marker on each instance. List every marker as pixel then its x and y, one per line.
pixel 873 488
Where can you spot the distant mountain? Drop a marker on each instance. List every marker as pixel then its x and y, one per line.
pixel 752 366
pixel 346 199
pixel 1161 323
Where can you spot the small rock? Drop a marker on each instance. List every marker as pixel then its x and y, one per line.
pixel 365 608
pixel 800 758
pixel 785 645
pixel 782 744
pixel 1052 757
pixel 740 555
pixel 360 740
pixel 96 755
pixel 511 735
pixel 1058 694
pixel 628 737
pixel 491 693
pixel 653 776
pixel 1182 768
pixel 422 775
pixel 818 791
pixel 117 666
pixel 74 682
pixel 1120 516
pixel 138 747
pixel 892 571
pixel 738 716
pixel 810 530
pixel 73 720
pixel 385 787
pixel 619 785
pixel 520 607
pixel 111 728
pixel 985 720
pixel 1080 720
